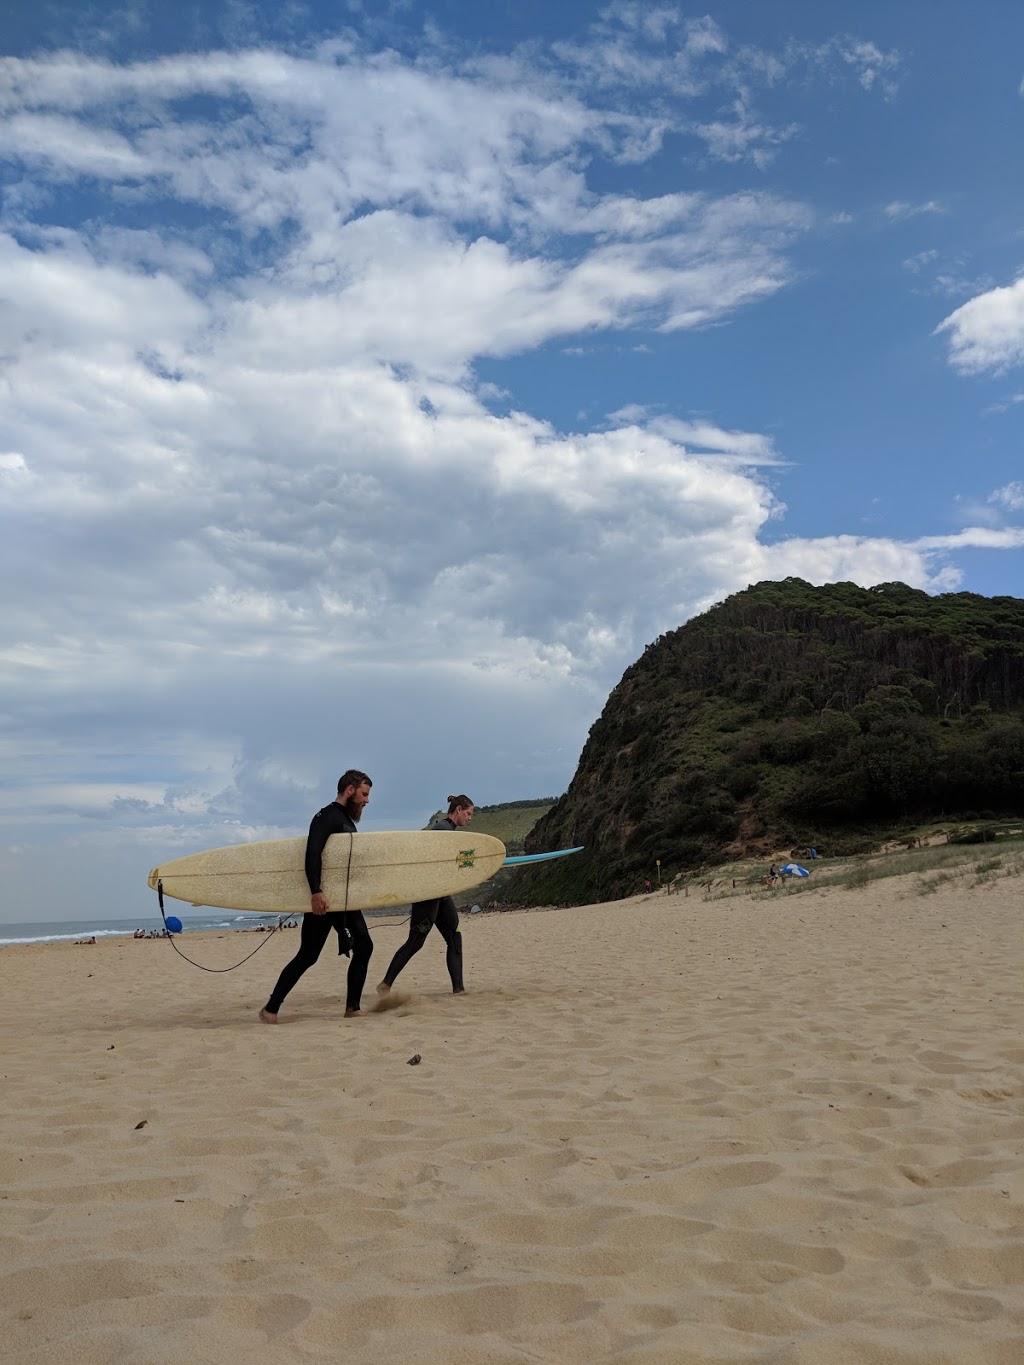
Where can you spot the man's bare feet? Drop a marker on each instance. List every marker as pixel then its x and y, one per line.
pixel 354 1014
pixel 383 988
pixel 267 1017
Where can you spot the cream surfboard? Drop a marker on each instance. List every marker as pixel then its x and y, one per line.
pixel 360 871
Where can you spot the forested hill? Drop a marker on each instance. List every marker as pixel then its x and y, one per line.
pixel 790 715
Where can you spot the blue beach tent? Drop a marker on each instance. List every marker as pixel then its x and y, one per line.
pixel 793 870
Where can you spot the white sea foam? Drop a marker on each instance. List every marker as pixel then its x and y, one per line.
pixel 71 931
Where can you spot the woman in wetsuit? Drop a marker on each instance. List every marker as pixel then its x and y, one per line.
pixel 438 914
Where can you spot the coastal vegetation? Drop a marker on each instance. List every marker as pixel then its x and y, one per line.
pixel 789 717
pixel 509 821
pixel 925 868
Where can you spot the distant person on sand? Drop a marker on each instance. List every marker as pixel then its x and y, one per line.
pixel 438 914
pixel 340 817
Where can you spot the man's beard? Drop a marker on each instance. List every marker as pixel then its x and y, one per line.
pixel 353 810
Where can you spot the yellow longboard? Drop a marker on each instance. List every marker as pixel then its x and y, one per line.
pixel 360 871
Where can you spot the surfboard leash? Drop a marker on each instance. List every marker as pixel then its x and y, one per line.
pixel 348 868
pixel 202 968
pixel 281 918
pixel 348 878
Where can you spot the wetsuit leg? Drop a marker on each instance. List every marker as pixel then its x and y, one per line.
pixel 447 924
pixel 421 920
pixel 362 951
pixel 315 929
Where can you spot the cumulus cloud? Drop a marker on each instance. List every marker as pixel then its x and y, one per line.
pixel 987 332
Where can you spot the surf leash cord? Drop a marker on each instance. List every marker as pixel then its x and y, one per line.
pixel 348 869
pixel 200 965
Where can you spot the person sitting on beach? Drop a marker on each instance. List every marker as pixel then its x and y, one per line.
pixel 340 817
pixel 438 914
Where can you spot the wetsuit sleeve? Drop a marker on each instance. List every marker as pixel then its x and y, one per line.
pixel 319 833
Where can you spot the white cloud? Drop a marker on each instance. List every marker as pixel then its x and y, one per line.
pixel 743 447
pixel 1010 496
pixel 916 263
pixel 741 136
pixel 68 149
pixel 987 333
pixel 634 45
pixel 658 50
pixel 13 468
pixel 899 211
pixel 872 66
pixel 921 563
pixel 58 295
pixel 946 277
pixel 973 538
pixel 302 417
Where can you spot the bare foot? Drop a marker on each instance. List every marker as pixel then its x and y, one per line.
pixel 267 1017
pixel 459 990
pixel 383 988
pixel 354 1014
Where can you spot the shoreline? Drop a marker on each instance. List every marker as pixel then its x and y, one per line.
pixel 154 932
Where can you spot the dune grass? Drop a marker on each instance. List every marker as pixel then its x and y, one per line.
pixel 932 867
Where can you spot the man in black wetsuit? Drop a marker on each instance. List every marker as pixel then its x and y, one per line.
pixel 340 817
pixel 437 914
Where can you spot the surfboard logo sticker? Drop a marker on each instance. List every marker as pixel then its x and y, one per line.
pixel 466 857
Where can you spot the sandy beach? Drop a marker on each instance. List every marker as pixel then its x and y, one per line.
pixel 780 1128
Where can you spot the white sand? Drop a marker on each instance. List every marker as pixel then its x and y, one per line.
pixel 784 1130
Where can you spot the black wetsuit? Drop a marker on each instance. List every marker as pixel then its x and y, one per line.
pixel 350 924
pixel 426 915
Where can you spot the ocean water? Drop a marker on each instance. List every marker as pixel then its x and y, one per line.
pixel 63 931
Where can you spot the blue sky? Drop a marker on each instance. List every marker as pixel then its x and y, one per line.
pixel 380 379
